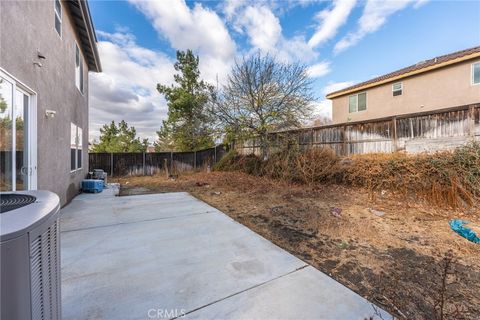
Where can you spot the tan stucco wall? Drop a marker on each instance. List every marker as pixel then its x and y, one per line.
pixel 443 88
pixel 26 26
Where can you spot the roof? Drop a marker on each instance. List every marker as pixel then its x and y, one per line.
pixel 84 26
pixel 420 67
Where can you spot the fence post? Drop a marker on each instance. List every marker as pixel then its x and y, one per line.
pixel 111 164
pixel 144 163
pixel 215 155
pixel 165 162
pixel 171 162
pixel 344 140
pixel 471 120
pixel 194 160
pixel 395 136
pixel 411 128
pixel 311 138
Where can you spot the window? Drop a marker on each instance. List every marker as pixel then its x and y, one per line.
pixel 58 17
pixel 75 147
pixel 78 69
pixel 362 101
pixel 357 102
pixel 352 103
pixel 79 148
pixel 476 73
pixel 397 89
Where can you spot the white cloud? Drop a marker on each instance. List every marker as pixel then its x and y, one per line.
pixel 295 49
pixel 258 21
pixel 231 7
pixel 126 89
pixel 323 109
pixel 375 15
pixel 420 3
pixel 262 26
pixel 330 21
pixel 197 28
pixel 335 86
pixel 319 69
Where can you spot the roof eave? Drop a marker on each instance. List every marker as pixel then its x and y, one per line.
pixel 84 27
pixel 346 91
pixel 92 35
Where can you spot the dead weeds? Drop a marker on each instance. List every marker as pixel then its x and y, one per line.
pixel 446 178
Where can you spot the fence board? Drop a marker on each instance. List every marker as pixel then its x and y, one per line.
pixel 100 161
pixel 155 162
pixel 137 163
pixel 430 130
pixel 183 161
pixel 127 164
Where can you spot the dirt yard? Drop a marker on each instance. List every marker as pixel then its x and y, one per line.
pixel 390 250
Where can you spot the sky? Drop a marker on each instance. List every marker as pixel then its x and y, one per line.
pixel 341 42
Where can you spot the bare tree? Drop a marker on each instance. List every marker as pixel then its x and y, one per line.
pixel 321 121
pixel 261 95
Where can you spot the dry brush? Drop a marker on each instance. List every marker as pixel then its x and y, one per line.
pixel 444 178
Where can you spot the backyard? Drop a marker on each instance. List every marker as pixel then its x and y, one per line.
pixel 397 252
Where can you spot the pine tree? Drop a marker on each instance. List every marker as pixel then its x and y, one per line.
pixel 188 126
pixel 121 138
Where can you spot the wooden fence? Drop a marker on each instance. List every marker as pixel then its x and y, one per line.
pixel 426 131
pixel 123 164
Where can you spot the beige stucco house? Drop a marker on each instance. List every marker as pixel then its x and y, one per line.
pixel 443 82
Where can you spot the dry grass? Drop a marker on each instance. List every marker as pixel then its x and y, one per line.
pixel 443 178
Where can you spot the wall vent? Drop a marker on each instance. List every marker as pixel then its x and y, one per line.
pixel 45 276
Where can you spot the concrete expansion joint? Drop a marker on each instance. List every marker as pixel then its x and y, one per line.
pixel 242 291
pixel 139 221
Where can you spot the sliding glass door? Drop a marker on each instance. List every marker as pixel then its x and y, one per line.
pixel 17 164
pixel 6 135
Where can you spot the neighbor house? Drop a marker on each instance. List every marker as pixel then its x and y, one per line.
pixel 47 50
pixel 443 82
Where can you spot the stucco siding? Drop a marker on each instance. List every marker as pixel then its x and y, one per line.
pixel 26 26
pixel 442 88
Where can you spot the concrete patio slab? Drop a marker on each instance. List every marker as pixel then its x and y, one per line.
pixel 165 255
pixel 304 294
pixel 116 210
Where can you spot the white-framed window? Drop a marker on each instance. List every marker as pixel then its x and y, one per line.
pixel 476 73
pixel 357 102
pixel 75 147
pixel 78 68
pixel 397 89
pixel 58 17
